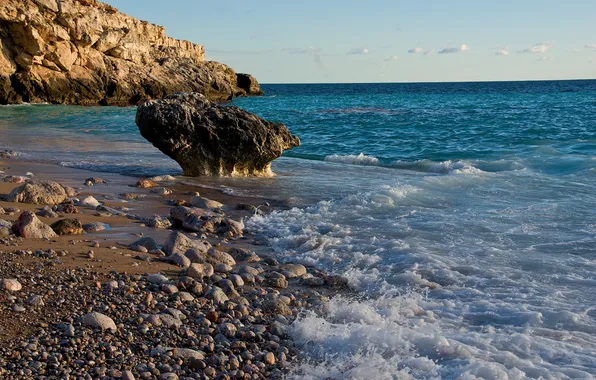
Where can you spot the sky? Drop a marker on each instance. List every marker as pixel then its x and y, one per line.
pixel 349 41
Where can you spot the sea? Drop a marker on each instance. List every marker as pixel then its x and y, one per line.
pixel 462 214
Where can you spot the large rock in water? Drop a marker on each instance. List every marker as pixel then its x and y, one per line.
pixel 206 138
pixel 86 52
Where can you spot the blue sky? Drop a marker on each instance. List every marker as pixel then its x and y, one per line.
pixel 311 41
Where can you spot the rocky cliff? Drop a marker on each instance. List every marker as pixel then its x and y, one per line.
pixel 86 52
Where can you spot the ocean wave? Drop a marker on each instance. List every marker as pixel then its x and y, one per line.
pixel 443 167
pixel 353 159
pixel 425 166
pixel 413 296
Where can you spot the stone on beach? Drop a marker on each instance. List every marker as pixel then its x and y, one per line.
pixel 202 202
pixel 234 228
pixel 95 181
pixel 11 284
pixel 217 295
pixel 157 278
pixel 179 259
pixel 29 226
pixel 67 207
pixel 336 281
pixel 181 214
pixel 161 191
pixel 5 227
pixel 47 212
pixel 90 202
pixel 199 270
pixel 180 243
pixel 94 227
pixel 40 192
pixel 181 353
pixel 100 321
pixel 159 222
pixel 67 227
pixel 242 254
pixel 215 257
pixel 208 139
pixel 196 256
pixel 294 270
pixel 147 242
pixel 146 183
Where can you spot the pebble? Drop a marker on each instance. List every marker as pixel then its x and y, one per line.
pixel 269 358
pixel 223 268
pixel 101 321
pixel 90 202
pixel 11 284
pixel 197 323
pixel 127 375
pixel 200 270
pixel 294 270
pixel 217 295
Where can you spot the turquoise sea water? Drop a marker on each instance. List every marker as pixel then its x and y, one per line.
pixel 463 215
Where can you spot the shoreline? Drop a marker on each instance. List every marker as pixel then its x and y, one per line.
pixel 115 279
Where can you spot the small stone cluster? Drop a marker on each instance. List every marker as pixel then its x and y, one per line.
pixel 231 322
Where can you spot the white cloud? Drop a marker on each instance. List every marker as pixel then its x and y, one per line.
pixel 314 52
pixel 392 58
pixel 358 51
pixel 544 59
pixel 451 50
pixel 416 50
pixel 590 46
pixel 502 52
pixel 540 48
pixel 419 50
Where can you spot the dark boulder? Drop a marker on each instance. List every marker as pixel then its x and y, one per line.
pixel 206 138
pixel 249 84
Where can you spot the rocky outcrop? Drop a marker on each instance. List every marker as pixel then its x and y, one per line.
pixel 86 52
pixel 209 139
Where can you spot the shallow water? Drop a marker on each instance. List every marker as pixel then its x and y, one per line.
pixel 463 214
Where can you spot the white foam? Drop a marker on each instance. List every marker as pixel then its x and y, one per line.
pixel 359 159
pixel 163 178
pixel 442 167
pixel 450 293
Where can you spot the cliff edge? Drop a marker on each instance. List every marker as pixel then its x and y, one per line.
pixel 86 52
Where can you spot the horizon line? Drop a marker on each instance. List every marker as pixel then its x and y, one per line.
pixel 436 82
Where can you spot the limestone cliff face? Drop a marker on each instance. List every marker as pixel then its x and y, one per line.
pixel 86 52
